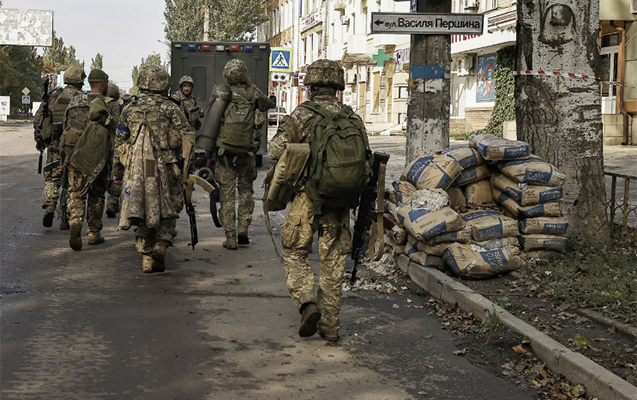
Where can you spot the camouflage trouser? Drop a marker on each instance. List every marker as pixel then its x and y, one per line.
pixel 112 203
pixel 147 237
pixel 86 200
pixel 232 179
pixel 334 243
pixel 52 181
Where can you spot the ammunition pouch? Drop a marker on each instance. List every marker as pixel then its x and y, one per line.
pixel 56 131
pixel 282 180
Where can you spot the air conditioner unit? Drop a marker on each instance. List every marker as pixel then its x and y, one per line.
pixel 633 6
pixel 471 4
pixel 344 20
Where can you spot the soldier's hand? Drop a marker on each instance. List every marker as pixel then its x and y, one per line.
pixel 39 145
pixel 117 180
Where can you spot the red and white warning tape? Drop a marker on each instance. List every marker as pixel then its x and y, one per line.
pixel 555 73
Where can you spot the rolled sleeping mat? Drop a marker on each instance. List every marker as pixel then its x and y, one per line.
pixel 219 100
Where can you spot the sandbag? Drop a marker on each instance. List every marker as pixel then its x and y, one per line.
pixel 544 226
pixel 435 250
pixel 392 209
pixel 398 250
pixel 467 263
pixel 526 195
pixel 435 199
pixel 490 224
pixel 472 175
pixel 479 194
pixel 432 172
pixel 427 260
pixel 422 223
pixel 465 156
pixel 457 199
pixel 495 244
pixel 399 235
pixel 404 191
pixel 543 242
pixel 461 236
pixel 495 148
pixel 552 209
pixel 534 171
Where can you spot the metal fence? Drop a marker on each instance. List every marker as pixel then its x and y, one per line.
pixel 622 204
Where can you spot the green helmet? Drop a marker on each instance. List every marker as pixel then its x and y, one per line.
pixel 153 78
pixel 235 72
pixel 74 75
pixel 113 91
pixel 186 79
pixel 325 73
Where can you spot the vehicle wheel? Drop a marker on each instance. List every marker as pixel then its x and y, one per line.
pixel 259 161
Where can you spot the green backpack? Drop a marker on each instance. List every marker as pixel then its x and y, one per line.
pixel 338 168
pixel 236 134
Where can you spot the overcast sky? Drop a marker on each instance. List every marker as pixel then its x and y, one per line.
pixel 123 31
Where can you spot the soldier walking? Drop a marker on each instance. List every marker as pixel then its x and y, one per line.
pixel 47 136
pixel 112 201
pixel 188 102
pixel 150 130
pixel 90 163
pixel 337 138
pixel 238 140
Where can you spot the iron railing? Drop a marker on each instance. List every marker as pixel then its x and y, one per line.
pixel 627 209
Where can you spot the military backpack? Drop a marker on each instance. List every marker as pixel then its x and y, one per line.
pixel 75 120
pixel 236 135
pixel 338 168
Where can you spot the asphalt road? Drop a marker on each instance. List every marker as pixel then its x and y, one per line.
pixel 217 325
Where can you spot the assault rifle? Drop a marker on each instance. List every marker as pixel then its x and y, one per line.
pixel 45 115
pixel 375 189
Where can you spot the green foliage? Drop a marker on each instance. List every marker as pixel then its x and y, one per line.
pixel 230 20
pixel 504 109
pixel 58 57
pixel 153 59
pixel 21 67
pixel 97 62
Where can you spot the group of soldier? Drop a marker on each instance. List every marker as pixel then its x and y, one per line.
pixel 97 145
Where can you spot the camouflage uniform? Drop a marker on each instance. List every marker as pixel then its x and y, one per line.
pixel 300 224
pixel 234 171
pixel 112 202
pixel 188 103
pixel 86 194
pixel 155 213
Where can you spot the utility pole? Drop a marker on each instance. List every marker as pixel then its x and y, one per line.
pixel 429 84
pixel 206 23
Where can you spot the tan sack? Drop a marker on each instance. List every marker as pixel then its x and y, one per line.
pixel 467 263
pixel 427 260
pixel 526 195
pixel 432 172
pixel 423 224
pixel 534 171
pixel 490 224
pixel 495 148
pixel 479 194
pixel 472 175
pixel 543 242
pixel 552 209
pixel 457 200
pixel 404 191
pixel 544 226
pixel 466 156
pixel 495 244
pixel 461 236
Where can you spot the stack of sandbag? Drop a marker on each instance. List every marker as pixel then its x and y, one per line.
pixel 479 264
pixel 471 189
pixel 432 172
pixel 531 191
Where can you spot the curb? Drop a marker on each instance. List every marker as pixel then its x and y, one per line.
pixel 578 369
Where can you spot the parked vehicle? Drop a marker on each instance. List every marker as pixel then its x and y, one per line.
pixel 274 113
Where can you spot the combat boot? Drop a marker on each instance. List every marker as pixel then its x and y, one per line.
pixel 49 214
pixel 327 337
pixel 230 243
pixel 110 213
pixel 147 263
pixel 242 235
pixel 95 238
pixel 159 257
pixel 309 317
pixel 75 240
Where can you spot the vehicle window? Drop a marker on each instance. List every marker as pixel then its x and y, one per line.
pixel 199 75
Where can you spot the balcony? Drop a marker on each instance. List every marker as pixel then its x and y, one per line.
pixel 384 40
pixel 357 44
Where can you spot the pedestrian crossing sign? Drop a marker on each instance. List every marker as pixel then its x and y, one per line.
pixel 281 59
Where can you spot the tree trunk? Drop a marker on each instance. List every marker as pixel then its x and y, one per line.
pixel 560 118
pixel 429 93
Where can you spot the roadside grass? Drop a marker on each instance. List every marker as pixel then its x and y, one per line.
pixel 594 277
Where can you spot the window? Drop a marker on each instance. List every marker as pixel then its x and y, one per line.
pixel 200 75
pixel 490 5
pixel 403 92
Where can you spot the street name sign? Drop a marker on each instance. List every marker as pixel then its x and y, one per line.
pixel 427 23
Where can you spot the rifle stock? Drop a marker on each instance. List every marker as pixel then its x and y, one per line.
pixel 188 142
pixel 362 219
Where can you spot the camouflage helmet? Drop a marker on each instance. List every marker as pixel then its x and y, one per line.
pixel 186 79
pixel 74 75
pixel 154 78
pixel 325 73
pixel 235 72
pixel 113 91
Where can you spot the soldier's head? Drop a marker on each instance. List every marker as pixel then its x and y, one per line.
pixel 235 72
pixel 153 79
pixel 75 76
pixel 324 77
pixel 113 91
pixel 99 81
pixel 186 83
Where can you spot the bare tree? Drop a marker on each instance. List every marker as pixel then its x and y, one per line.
pixel 560 117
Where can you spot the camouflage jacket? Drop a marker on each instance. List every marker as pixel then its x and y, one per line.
pixel 189 106
pixel 37 118
pixel 165 118
pixel 297 127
